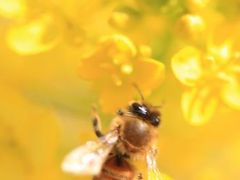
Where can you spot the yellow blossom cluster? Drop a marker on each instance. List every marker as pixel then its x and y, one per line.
pixel 58 58
pixel 210 77
pixel 209 65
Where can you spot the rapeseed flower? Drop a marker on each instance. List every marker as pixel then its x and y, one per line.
pixel 211 76
pixel 115 65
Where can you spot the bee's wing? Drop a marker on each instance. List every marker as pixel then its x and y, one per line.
pixel 153 171
pixel 89 158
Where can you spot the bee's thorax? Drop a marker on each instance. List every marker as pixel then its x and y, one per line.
pixel 136 135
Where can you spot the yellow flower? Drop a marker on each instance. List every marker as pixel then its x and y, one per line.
pixel 115 65
pixel 13 8
pixel 36 36
pixel 39 27
pixel 200 21
pixel 211 76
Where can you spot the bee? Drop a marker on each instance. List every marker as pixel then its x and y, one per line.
pixel 132 136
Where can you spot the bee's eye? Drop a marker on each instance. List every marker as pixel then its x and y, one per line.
pixel 139 109
pixel 154 120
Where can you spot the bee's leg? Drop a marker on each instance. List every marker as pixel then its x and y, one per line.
pixel 96 124
pixel 126 156
pixel 120 112
pixel 139 176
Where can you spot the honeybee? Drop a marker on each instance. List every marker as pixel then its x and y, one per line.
pixel 132 136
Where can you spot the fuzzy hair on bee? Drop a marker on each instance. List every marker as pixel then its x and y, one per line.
pixel 132 136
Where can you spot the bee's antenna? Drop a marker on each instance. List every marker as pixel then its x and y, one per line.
pixel 138 90
pixel 160 106
pixel 96 123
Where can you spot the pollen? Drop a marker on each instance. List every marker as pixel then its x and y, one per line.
pixel 117 81
pixel 195 21
pixel 126 69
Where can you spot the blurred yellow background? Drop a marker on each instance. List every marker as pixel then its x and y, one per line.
pixel 45 103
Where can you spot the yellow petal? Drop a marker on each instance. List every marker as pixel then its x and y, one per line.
pixel 186 66
pixel 148 73
pixel 192 27
pixel 166 177
pixel 155 175
pixel 96 65
pixel 221 53
pixel 37 36
pixel 231 95
pixel 90 67
pixel 199 105
pixel 113 52
pixel 12 8
pixel 119 19
pixel 145 50
pixel 118 43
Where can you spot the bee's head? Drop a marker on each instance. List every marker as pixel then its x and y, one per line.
pixel 145 112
